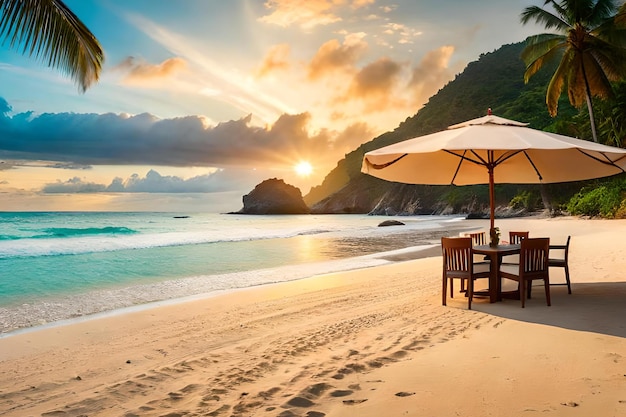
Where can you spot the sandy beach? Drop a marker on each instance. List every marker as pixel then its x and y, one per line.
pixel 367 342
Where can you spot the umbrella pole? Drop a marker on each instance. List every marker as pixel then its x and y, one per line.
pixel 492 203
pixel 493 233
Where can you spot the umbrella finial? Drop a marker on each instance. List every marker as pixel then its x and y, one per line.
pixel 489 113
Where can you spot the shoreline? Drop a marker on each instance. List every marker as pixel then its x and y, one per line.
pixel 368 342
pixel 341 255
pixel 377 259
pixel 58 311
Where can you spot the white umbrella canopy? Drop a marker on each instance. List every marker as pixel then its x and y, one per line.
pixel 490 149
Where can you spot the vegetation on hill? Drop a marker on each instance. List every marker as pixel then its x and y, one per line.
pixel 494 81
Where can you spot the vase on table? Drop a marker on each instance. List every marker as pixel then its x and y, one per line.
pixel 494 235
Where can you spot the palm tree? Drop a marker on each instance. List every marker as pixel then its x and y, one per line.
pixel 590 45
pixel 47 29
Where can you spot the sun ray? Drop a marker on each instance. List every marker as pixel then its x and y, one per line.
pixel 303 168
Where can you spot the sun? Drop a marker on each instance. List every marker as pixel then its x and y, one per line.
pixel 303 168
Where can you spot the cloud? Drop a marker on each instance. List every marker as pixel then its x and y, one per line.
pixel 153 182
pixel 431 73
pixel 333 55
pixel 309 13
pixel 138 71
pixel 119 139
pixel 72 186
pixel 404 34
pixel 374 87
pixel 384 85
pixel 277 59
pixel 15 163
pixel 351 137
pixel 305 13
pixel 356 4
pixel 388 8
pixel 340 82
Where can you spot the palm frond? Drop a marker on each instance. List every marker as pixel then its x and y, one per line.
pixel 579 11
pixel 620 17
pixel 576 85
pixel 541 49
pixel 612 60
pixel 48 30
pixel 602 10
pixel 540 15
pixel 538 45
pixel 612 32
pixel 599 82
pixel 555 87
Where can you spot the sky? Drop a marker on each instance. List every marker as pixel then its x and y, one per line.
pixel 201 100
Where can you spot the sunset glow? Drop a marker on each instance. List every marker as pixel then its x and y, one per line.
pixel 303 169
pixel 210 99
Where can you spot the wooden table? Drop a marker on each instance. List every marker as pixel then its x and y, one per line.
pixel 495 255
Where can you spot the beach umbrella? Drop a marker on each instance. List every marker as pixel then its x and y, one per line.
pixel 490 149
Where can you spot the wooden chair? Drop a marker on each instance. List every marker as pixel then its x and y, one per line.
pixel 533 266
pixel 458 263
pixel 515 238
pixel 478 238
pixel 559 262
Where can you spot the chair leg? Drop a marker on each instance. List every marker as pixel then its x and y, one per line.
pixel 569 288
pixel 452 287
pixel 445 284
pixel 546 284
pixel 522 292
pixel 462 286
pixel 470 293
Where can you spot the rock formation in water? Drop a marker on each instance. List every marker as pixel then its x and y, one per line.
pixel 274 196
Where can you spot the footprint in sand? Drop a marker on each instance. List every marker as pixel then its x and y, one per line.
pixel 300 402
pixel 341 393
pixel 399 354
pixel 404 394
pixel 616 357
pixel 317 389
pixel 269 393
pixel 306 397
pixel 289 413
pixel 353 402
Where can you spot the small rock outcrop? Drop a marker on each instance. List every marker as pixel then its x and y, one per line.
pixel 390 223
pixel 274 196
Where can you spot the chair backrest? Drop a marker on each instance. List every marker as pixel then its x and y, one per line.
pixel 478 238
pixel 515 238
pixel 567 248
pixel 457 254
pixel 534 255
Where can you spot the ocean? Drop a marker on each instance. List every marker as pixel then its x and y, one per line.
pixel 59 266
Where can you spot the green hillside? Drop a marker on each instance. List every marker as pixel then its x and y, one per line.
pixel 494 81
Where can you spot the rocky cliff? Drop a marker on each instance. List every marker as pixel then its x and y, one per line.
pixel 274 196
pixel 368 195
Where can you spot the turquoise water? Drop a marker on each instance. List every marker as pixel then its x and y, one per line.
pixel 59 265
